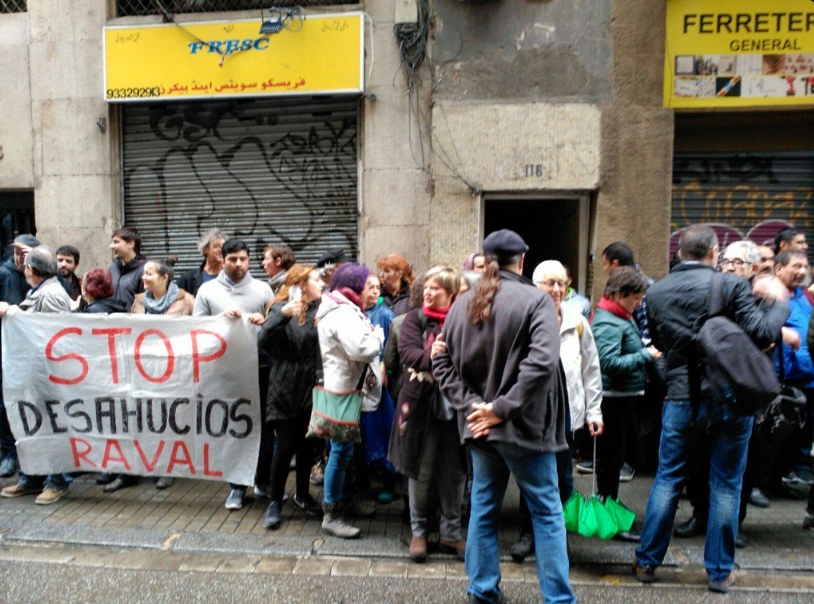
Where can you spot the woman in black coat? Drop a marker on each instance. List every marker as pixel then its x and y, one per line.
pixel 290 337
pixel 425 426
pixel 97 292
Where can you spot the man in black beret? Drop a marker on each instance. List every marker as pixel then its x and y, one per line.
pixel 500 369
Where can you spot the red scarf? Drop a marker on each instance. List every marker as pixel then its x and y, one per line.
pixel 613 307
pixel 352 296
pixel 437 314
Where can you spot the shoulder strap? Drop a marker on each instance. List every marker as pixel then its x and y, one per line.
pixel 422 320
pixel 580 329
pixel 716 298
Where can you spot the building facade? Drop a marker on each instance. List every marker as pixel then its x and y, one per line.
pixel 550 118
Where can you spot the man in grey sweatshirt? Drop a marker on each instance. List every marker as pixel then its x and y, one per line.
pixel 234 293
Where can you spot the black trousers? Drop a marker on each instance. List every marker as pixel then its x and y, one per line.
pixel 290 440
pixel 618 443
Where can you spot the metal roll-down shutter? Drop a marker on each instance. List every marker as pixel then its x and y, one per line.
pixel 743 195
pixel 265 171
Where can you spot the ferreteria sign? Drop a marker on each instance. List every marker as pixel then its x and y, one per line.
pixel 739 53
pixel 147 395
pixel 324 54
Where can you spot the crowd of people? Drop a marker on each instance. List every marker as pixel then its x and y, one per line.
pixel 450 381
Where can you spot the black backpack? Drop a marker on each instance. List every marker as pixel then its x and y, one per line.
pixel 736 373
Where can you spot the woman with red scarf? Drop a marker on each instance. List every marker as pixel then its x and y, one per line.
pixel 425 427
pixel 623 359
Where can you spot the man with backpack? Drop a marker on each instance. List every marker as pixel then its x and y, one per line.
pixel 677 308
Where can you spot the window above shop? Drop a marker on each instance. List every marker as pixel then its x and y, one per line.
pixel 131 8
pixel 13 6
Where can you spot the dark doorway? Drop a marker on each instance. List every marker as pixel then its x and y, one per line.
pixel 554 229
pixel 16 218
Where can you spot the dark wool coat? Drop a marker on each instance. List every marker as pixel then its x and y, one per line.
pixel 511 361
pixel 418 396
pixel 295 349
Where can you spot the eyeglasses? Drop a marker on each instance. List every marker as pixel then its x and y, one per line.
pixel 736 262
pixel 551 283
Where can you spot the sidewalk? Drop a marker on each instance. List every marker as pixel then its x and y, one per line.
pixel 190 518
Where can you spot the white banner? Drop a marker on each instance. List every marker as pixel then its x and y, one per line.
pixel 134 394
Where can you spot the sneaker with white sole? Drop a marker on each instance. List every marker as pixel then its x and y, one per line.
pixel 235 499
pixel 626 473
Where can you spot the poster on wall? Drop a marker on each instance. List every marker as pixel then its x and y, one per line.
pixel 136 394
pixel 739 53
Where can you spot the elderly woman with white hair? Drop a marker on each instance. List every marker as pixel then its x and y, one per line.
pixel 583 380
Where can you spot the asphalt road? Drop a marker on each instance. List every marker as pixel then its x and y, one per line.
pixel 29 581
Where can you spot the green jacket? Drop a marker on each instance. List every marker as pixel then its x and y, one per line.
pixel 623 357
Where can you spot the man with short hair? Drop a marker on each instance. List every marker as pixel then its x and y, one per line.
pixel 741 258
pixel 68 260
pixel 46 296
pixel 789 239
pixel 235 293
pixel 499 367
pixel 277 259
pixel 791 268
pixel 210 245
pixel 128 265
pixel 675 305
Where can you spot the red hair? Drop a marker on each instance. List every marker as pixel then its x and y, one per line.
pixel 98 283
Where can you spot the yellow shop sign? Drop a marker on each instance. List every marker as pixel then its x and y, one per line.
pixel 739 53
pixel 232 59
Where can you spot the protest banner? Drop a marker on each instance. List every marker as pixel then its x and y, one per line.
pixel 134 394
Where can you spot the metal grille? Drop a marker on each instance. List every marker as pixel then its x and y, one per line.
pixel 264 170
pixel 743 195
pixel 16 218
pixel 131 8
pixel 13 6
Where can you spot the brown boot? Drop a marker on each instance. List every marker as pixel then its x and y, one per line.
pixel 458 548
pixel 418 549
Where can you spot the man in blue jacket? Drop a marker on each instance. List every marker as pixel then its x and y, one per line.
pixel 791 268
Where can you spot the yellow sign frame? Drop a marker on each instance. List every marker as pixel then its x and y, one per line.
pixel 230 59
pixel 738 53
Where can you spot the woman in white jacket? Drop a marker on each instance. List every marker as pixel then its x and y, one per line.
pixel 583 380
pixel 348 342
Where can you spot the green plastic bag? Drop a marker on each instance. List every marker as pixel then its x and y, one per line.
pixel 605 525
pixel 571 510
pixel 620 513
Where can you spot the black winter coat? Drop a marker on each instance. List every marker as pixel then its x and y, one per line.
pixel 105 305
pixel 13 286
pixel 400 303
pixel 192 280
pixel 675 303
pixel 127 279
pixel 295 349
pixel 419 394
pixel 511 361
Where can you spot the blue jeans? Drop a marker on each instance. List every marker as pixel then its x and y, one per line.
pixel 729 439
pixel 338 461
pixel 60 482
pixel 536 474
